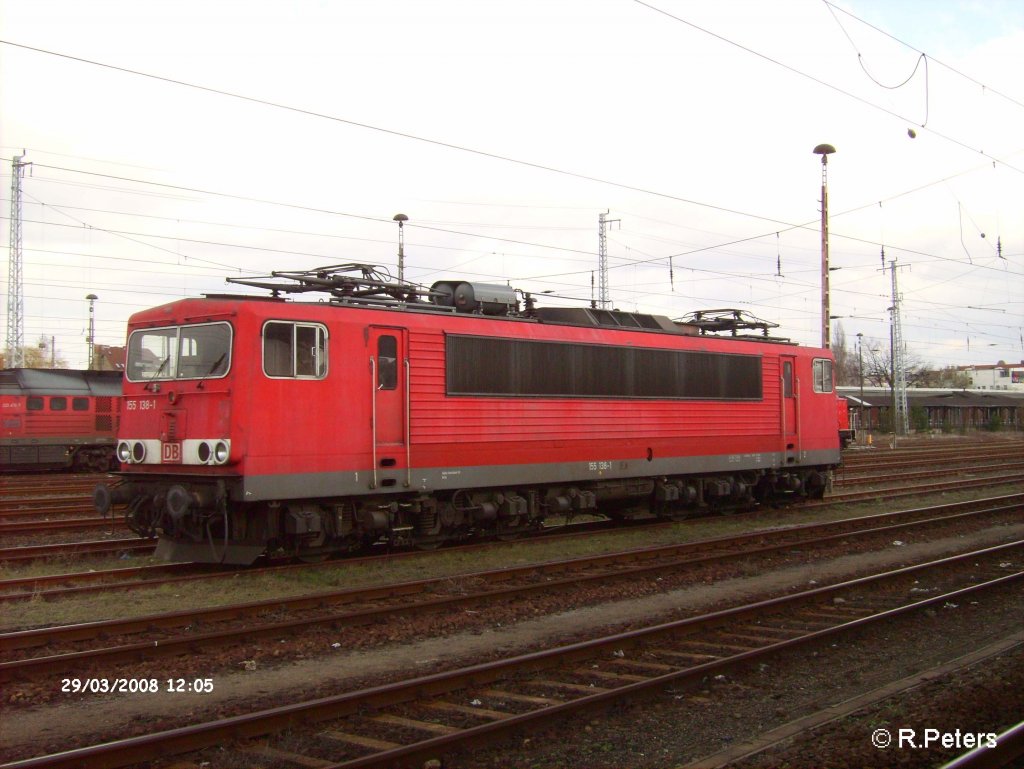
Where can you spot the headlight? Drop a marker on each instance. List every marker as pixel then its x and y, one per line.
pixel 124 452
pixel 203 452
pixel 221 452
pixel 138 452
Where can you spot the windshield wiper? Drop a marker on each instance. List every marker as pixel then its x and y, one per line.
pixel 158 372
pixel 216 363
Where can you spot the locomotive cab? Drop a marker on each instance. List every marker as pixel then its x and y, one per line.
pixel 175 444
pixel 192 368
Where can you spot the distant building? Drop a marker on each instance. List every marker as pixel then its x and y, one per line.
pixel 1001 376
pixel 936 409
pixel 108 358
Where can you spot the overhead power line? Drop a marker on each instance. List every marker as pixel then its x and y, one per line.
pixel 988 89
pixel 821 82
pixel 388 131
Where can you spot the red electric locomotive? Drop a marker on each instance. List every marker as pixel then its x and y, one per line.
pixel 390 413
pixel 58 418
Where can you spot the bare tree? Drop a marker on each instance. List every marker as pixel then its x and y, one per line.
pixel 952 377
pixel 43 355
pixel 878 366
pixel 846 361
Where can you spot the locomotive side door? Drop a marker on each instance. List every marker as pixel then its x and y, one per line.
pixel 389 398
pixel 790 409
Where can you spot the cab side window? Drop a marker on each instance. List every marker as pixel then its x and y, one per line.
pixel 294 350
pixel 822 375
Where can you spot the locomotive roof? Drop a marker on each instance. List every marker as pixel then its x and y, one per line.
pixel 368 286
pixel 553 316
pixel 40 381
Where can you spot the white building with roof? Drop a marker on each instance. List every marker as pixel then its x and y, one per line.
pixel 1000 376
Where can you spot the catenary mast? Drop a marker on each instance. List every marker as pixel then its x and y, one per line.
pixel 15 285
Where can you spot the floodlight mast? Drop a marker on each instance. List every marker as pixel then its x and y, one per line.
pixel 91 298
pixel 401 219
pixel 826 336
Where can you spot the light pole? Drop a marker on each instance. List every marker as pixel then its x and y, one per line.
pixel 824 150
pixel 92 330
pixel 892 372
pixel 860 376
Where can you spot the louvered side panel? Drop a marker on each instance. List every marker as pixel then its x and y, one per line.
pixel 439 418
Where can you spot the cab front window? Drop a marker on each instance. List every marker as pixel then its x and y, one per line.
pixel 200 351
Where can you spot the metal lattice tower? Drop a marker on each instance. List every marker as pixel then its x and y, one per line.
pixel 15 286
pixel 604 298
pixel 901 417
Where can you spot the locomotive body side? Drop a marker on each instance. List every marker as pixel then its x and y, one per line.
pixel 57 418
pixel 308 427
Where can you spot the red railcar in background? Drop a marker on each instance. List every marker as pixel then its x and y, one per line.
pixel 58 418
pixel 847 434
pixel 263 425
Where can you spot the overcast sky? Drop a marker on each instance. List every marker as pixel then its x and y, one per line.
pixel 502 128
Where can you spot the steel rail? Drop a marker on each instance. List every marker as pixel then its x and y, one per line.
pixel 922 488
pixel 67 524
pixel 903 475
pixel 880 453
pixel 1009 747
pixel 35 552
pixel 953 458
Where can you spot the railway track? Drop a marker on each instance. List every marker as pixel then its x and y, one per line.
pixel 964 482
pixel 24 507
pixel 424 717
pixel 904 476
pixel 152 636
pixel 65 585
pixel 50 483
pixel 858 464
pixel 60 550
pixel 155 575
pixel 995 449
